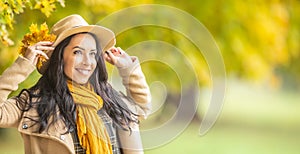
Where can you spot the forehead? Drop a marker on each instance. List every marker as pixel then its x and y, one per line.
pixel 83 40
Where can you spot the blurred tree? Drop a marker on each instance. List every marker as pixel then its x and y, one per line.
pixel 259 39
pixel 9 8
pixel 255 37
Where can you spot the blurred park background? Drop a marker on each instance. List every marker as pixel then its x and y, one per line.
pixel 258 41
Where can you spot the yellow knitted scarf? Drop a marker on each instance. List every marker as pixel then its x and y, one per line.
pixel 91 130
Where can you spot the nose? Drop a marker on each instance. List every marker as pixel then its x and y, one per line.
pixel 86 60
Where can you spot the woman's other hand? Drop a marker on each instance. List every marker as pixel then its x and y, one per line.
pixel 35 51
pixel 118 57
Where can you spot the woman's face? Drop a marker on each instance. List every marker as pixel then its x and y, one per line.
pixel 80 58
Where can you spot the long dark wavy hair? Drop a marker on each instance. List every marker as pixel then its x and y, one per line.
pixel 52 95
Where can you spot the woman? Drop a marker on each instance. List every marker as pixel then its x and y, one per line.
pixel 72 108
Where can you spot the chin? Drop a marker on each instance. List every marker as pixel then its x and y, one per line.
pixel 81 81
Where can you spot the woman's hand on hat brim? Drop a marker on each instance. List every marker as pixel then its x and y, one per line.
pixel 35 51
pixel 118 57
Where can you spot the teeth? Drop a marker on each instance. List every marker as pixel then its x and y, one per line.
pixel 85 72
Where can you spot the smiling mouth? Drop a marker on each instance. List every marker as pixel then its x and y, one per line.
pixel 83 71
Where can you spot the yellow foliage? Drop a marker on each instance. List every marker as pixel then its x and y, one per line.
pixel 9 8
pixel 255 35
pixel 113 5
pixel 46 6
pixel 4 36
pixel 35 35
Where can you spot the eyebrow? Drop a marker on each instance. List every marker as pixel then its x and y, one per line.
pixel 83 48
pixel 78 47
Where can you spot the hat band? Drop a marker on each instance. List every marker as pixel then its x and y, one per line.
pixel 77 26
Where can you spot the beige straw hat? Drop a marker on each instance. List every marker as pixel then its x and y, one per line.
pixel 74 24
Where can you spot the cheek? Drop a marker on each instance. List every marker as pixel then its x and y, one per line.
pixel 94 64
pixel 93 61
pixel 68 66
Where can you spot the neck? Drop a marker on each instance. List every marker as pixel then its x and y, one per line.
pixel 76 83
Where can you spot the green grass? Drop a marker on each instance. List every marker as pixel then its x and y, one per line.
pixel 11 142
pixel 254 120
pixel 223 139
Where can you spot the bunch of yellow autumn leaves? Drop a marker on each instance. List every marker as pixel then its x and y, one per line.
pixel 10 8
pixel 36 35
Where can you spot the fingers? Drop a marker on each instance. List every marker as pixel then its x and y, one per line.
pixel 120 51
pixel 43 46
pixel 116 51
pixel 118 57
pixel 110 57
pixel 38 50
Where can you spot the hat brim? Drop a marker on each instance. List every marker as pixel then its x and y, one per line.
pixel 104 35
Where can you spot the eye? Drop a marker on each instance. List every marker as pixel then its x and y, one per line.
pixel 77 52
pixel 93 53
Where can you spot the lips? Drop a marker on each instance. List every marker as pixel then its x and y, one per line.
pixel 83 71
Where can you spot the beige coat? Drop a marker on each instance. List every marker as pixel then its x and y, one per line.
pixel 53 141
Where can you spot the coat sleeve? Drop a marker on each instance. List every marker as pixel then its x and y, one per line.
pixel 9 81
pixel 138 94
pixel 138 100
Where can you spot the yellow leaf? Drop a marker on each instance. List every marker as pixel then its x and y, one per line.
pixel 34 36
pixel 46 6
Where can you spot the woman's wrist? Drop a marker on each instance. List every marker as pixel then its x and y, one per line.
pixel 125 71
